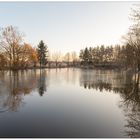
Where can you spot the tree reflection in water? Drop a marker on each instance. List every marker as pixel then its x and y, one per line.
pixel 129 89
pixel 42 82
pixel 131 107
pixel 15 85
pixel 101 80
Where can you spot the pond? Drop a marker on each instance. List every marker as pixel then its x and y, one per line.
pixel 69 103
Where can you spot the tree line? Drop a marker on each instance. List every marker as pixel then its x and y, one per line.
pixel 126 55
pixel 16 54
pixel 121 56
pixel 99 55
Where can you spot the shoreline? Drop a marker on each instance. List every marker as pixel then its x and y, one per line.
pixel 79 67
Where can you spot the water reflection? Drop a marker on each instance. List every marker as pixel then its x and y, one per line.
pixel 42 83
pixel 131 107
pixel 15 85
pixel 129 89
pixel 102 80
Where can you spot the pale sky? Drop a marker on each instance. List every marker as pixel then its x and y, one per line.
pixel 68 26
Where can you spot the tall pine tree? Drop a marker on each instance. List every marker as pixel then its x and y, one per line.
pixel 42 53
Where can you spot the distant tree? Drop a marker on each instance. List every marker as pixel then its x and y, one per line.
pixel 90 55
pixel 42 53
pixel 74 57
pixel 116 54
pixel 95 57
pixel 102 54
pixel 84 56
pixel 67 58
pixel 81 55
pixel 56 57
pixel 108 54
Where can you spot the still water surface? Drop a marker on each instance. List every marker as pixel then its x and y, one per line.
pixel 69 103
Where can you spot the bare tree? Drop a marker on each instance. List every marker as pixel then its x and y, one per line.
pixel 17 53
pixel 74 57
pixel 133 38
pixel 10 43
pixel 56 57
pixel 67 58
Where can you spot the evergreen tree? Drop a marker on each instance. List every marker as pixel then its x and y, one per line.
pixel 102 53
pixel 42 53
pixel 90 55
pixel 86 55
pixel 81 54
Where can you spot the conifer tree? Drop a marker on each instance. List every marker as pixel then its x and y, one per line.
pixel 42 53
